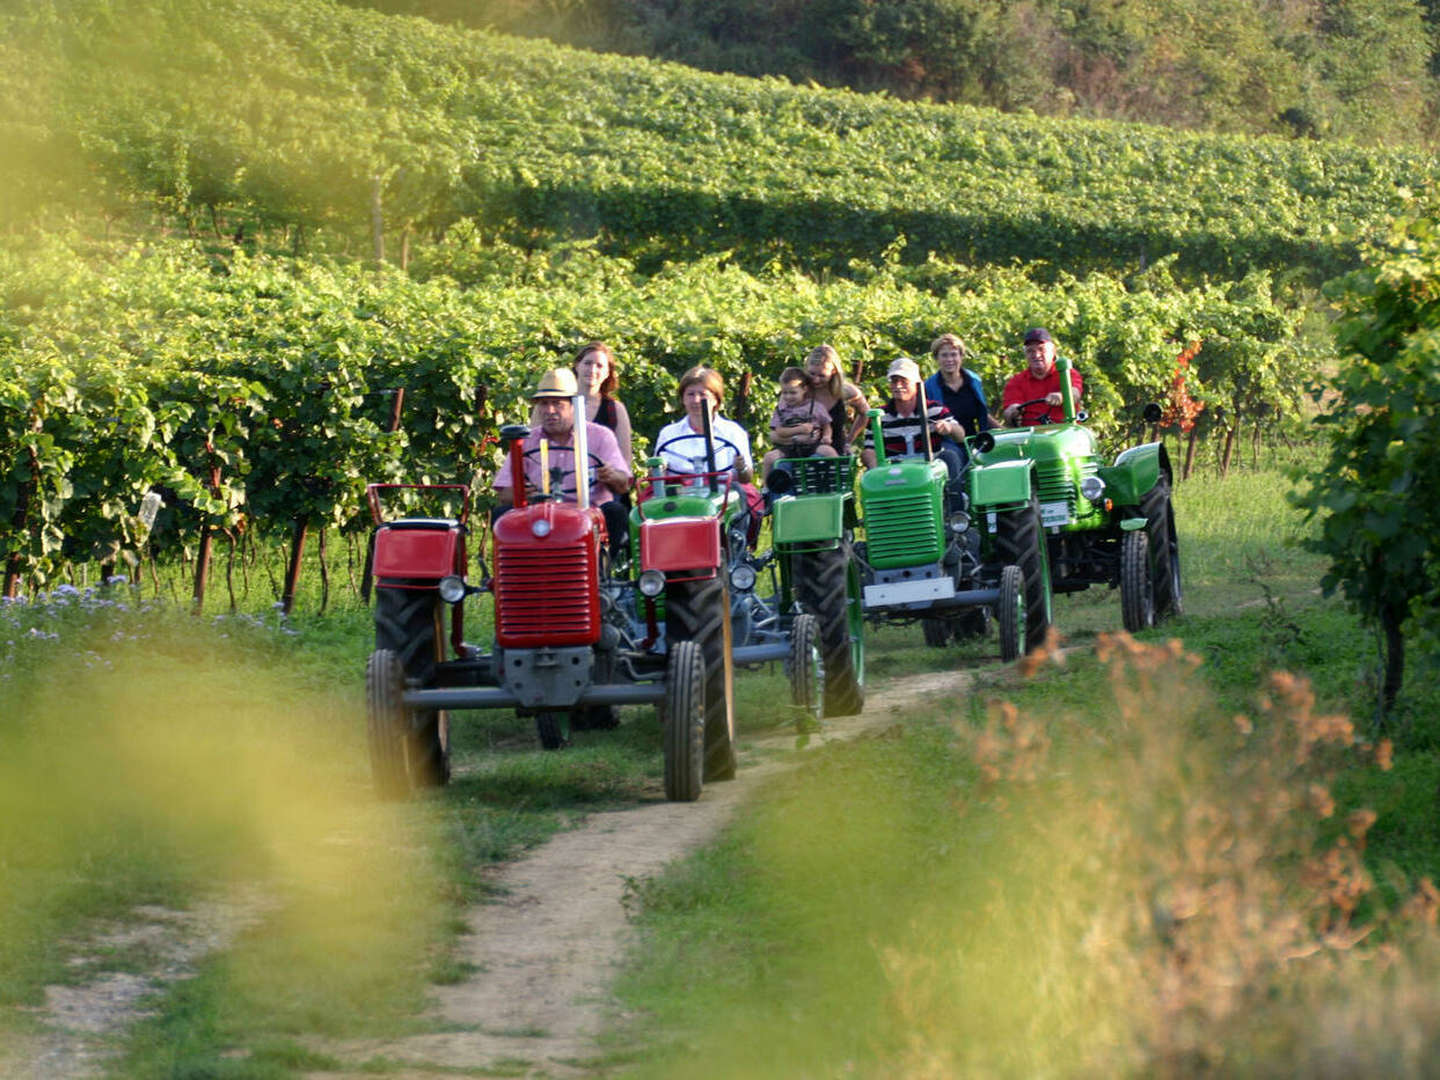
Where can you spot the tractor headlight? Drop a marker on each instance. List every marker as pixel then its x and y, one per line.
pixel 1092 487
pixel 742 577
pixel 959 523
pixel 540 527
pixel 652 583
pixel 452 588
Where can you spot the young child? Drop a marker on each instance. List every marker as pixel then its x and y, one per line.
pixel 800 427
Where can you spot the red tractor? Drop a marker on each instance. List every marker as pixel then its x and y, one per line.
pixel 572 640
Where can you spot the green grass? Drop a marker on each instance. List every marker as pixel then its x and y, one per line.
pixel 872 914
pixel 887 911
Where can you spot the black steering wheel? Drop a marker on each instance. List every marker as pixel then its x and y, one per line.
pixel 558 473
pixel 720 441
pixel 1045 418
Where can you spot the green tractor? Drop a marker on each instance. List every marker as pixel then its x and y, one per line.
pixel 812 517
pixel 952 559
pixel 1104 524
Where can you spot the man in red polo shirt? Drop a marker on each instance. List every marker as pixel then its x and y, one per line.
pixel 1040 380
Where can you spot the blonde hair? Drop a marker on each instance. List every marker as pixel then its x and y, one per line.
pixel 836 387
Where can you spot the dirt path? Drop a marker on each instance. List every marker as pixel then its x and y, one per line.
pixel 546 953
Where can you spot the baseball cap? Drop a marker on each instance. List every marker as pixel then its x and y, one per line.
pixel 1037 333
pixel 904 366
pixel 556 383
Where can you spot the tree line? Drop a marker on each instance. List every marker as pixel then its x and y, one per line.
pixel 1363 70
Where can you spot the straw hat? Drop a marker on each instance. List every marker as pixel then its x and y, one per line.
pixel 556 383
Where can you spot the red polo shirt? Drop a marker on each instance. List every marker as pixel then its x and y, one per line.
pixel 1025 387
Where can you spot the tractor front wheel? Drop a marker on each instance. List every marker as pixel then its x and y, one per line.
pixel 407 623
pixel 1137 595
pixel 1020 541
pixel 699 611
pixel 386 723
pixel 1164 550
pixel 683 721
pixel 1011 613
pixel 805 668
pixel 826 587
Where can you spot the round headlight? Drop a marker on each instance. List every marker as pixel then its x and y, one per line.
pixel 452 588
pixel 959 522
pixel 652 583
pixel 742 577
pixel 540 527
pixel 1092 487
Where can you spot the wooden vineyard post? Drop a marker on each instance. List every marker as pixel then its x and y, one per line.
pixel 202 560
pixel 292 574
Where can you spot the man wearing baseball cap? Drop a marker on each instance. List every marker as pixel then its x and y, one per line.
pixel 903 430
pixel 1038 383
pixel 553 419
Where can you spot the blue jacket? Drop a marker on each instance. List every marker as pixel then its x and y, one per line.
pixel 934 391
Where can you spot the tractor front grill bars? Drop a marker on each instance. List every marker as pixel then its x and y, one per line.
pixel 546 596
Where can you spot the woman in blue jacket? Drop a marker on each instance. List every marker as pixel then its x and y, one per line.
pixel 956 387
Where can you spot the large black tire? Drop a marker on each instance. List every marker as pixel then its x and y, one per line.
pixel 699 611
pixel 936 631
pixel 407 622
pixel 1010 613
pixel 822 586
pixel 550 731
pixel 386 724
pixel 805 667
pixel 1137 594
pixel 683 722
pixel 1020 541
pixel 1164 550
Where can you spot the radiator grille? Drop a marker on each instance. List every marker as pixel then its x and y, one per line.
pixel 546 596
pixel 900 528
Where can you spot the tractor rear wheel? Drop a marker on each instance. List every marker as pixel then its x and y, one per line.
pixel 827 588
pixel 407 622
pixel 699 611
pixel 1137 594
pixel 1164 550
pixel 386 723
pixel 683 721
pixel 936 631
pixel 594 718
pixel 804 666
pixel 1010 613
pixel 1020 541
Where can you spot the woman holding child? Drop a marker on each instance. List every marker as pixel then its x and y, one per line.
pixel 799 427
pixel 837 396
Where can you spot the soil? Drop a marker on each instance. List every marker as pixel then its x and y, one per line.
pixel 543 954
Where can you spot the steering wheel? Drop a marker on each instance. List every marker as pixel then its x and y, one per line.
pixel 558 473
pixel 720 441
pixel 1045 418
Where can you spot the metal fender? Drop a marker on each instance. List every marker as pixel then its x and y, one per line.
pixel 680 543
pixel 416 549
pixel 1135 472
pixel 1004 482
pixel 808 519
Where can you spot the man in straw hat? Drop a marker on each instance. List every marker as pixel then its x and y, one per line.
pixel 553 419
